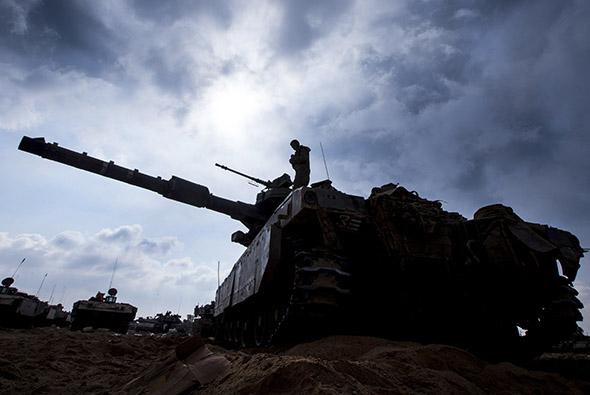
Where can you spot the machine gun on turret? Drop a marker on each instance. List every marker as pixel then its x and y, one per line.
pixel 253 216
pixel 283 181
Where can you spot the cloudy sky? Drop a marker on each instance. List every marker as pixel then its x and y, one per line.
pixel 471 102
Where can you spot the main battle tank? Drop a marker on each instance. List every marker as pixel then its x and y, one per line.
pixel 321 261
pixel 102 312
pixel 19 309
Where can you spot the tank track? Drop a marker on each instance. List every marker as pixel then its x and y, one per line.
pixel 314 304
pixel 552 322
pixel 558 318
pixel 117 322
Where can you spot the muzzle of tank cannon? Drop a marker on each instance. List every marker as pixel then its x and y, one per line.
pixel 175 188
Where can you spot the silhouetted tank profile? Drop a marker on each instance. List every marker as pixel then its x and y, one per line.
pixel 19 309
pixel 394 264
pixel 103 312
pixel 161 323
pixel 57 316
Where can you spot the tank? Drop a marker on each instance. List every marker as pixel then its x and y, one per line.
pixel 320 261
pixel 102 312
pixel 161 323
pixel 19 309
pixel 204 321
pixel 56 316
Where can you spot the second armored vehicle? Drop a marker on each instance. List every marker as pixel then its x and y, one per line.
pixel 204 322
pixel 161 323
pixel 103 312
pixel 57 316
pixel 19 309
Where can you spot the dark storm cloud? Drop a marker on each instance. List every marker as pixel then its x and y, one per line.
pixel 305 21
pixel 166 12
pixel 58 34
pixel 45 37
pixel 495 102
pixel 174 76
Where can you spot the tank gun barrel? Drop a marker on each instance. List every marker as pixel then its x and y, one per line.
pixel 175 188
pixel 257 180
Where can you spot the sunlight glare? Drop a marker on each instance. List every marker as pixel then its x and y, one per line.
pixel 232 107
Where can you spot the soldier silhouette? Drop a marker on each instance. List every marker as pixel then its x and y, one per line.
pixel 300 162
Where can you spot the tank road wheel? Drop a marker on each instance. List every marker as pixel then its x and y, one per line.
pixel 246 333
pixel 226 331
pixel 250 332
pixel 234 332
pixel 219 330
pixel 240 332
pixel 320 295
pixel 260 329
pixel 277 327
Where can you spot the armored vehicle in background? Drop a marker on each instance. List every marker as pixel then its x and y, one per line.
pixel 161 323
pixel 102 312
pixel 19 309
pixel 57 316
pixel 204 322
pixel 320 261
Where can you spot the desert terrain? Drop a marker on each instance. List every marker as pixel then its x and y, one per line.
pixel 58 361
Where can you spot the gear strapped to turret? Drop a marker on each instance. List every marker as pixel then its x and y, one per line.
pixel 300 162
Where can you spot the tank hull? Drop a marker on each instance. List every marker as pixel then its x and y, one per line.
pixel 411 269
pixel 113 316
pixel 19 311
pixel 56 316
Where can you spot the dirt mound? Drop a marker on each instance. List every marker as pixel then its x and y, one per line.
pixel 58 361
pixel 365 365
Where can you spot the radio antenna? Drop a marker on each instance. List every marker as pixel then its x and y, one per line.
pixel 324 157
pixel 113 275
pixel 51 296
pixel 18 267
pixel 41 286
pixel 63 294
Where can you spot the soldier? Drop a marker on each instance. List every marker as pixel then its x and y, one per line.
pixel 98 298
pixel 300 162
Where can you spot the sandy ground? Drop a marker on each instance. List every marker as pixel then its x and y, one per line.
pixel 50 360
pixel 58 361
pixel 365 365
